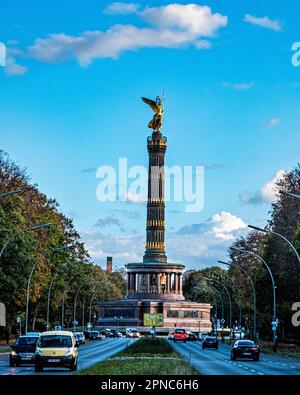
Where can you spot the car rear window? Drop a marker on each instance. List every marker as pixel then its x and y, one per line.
pixel 180 331
pixel 94 333
pixel 26 341
pixel 55 341
pixel 246 343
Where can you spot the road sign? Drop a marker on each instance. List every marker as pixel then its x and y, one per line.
pixel 274 325
pixel 155 319
pixel 57 328
pixel 18 320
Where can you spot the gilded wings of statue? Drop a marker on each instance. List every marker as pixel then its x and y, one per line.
pixel 157 108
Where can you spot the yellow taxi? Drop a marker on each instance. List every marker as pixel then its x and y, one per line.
pixel 56 349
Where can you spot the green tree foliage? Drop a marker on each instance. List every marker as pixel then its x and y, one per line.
pixel 27 209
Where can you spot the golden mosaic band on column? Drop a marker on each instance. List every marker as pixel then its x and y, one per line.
pixel 156 222
pixel 155 245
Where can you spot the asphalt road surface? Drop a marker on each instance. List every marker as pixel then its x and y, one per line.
pixel 88 354
pixel 218 362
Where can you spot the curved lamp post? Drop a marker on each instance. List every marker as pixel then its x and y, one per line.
pixel 220 296
pixel 253 291
pixel 29 281
pixel 63 300
pixel 5 194
pixel 75 305
pixel 243 251
pixel 294 195
pixel 267 231
pixel 229 299
pixel 48 303
pixel 20 232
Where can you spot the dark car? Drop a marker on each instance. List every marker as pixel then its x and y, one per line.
pixel 192 337
pixel 95 335
pixel 115 333
pixel 245 349
pixel 23 350
pixel 210 342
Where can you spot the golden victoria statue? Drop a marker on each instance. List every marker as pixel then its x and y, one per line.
pixel 157 107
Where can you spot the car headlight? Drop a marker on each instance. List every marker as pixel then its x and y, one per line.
pixel 69 353
pixel 39 352
pixel 13 354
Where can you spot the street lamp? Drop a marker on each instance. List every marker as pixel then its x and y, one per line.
pixel 253 291
pixel 48 303
pixel 229 298
pixel 75 304
pixel 63 300
pixel 5 194
pixel 29 280
pixel 274 326
pixel 220 296
pixel 267 231
pixel 33 228
pixel 290 194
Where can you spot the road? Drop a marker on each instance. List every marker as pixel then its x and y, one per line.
pixel 88 355
pixel 217 362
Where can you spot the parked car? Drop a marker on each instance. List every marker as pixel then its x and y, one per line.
pixel 203 335
pixel 171 336
pixel 56 349
pixel 245 349
pixel 192 336
pixel 180 334
pixel 80 337
pixel 23 350
pixel 107 332
pixel 95 335
pixel 115 333
pixel 210 342
pixel 33 334
pixel 133 332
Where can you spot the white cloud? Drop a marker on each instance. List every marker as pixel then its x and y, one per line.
pixel 195 245
pixel 196 19
pixel 240 86
pixel 269 191
pixel 172 26
pixel 122 8
pixel 13 68
pixel 222 225
pixel 265 22
pixel 273 122
pixel 267 194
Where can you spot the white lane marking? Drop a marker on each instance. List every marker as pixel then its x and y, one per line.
pixel 4 374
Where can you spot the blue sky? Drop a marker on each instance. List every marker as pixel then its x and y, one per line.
pixel 71 103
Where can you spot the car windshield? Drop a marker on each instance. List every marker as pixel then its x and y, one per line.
pixel 55 341
pixel 246 343
pixel 26 341
pixel 180 331
pixel 210 338
pixel 94 333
